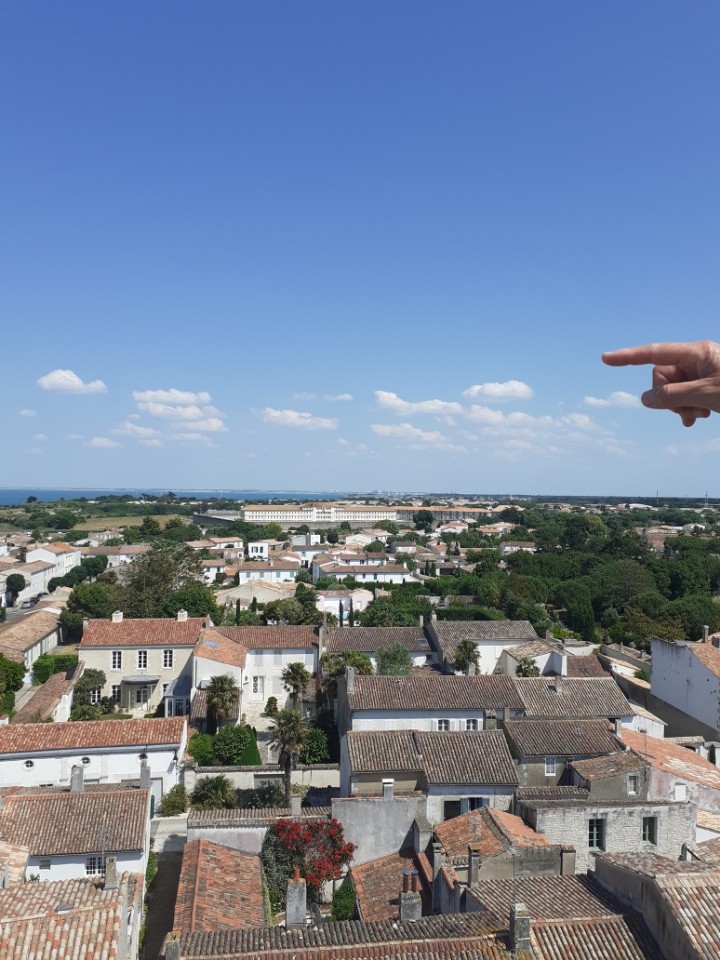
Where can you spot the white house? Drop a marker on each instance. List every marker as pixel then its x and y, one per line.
pixel 329 601
pixel 71 834
pixel 26 639
pixel 212 569
pixel 273 571
pixel 108 751
pixel 371 640
pixel 687 676
pixel 37 576
pixel 491 638
pixel 63 556
pixel 116 556
pixel 363 573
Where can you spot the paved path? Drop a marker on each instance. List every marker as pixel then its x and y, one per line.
pixel 161 904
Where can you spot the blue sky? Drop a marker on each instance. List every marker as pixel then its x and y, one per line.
pixel 355 245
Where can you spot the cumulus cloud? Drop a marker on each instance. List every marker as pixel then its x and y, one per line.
pixel 296 418
pixel 343 442
pixel 66 381
pixel 405 408
pixel 39 436
pixel 406 431
pixel 104 442
pixel 28 413
pixel 617 399
pixel 135 430
pixel 191 437
pixel 209 425
pixel 335 397
pixel 499 392
pixel 183 397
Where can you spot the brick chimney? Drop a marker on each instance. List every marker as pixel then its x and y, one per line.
pixel 473 866
pixel 117 616
pixel 144 775
pixel 520 928
pixel 182 616
pixel 296 903
pixel 350 680
pixel 77 778
pixel 410 901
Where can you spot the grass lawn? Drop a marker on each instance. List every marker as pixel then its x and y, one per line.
pixel 113 523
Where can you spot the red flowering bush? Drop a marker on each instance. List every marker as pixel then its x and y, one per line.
pixel 317 847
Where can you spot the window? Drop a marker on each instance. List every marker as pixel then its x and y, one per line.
pixel 95 866
pixel 165 688
pixel 550 766
pixel 471 724
pixel 167 659
pixel 116 692
pixel 596 834
pixel 632 785
pixel 680 792
pixel 141 696
pixel 116 659
pixel 142 659
pixel 95 696
pixel 258 686
pixel 477 802
pixel 649 830
pixel 44 864
pixel 443 724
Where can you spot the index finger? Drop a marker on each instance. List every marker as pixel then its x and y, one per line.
pixel 655 353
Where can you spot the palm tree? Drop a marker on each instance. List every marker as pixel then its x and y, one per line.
pixel 222 695
pixel 527 668
pixel 289 735
pixel 295 678
pixel 213 793
pixel 466 653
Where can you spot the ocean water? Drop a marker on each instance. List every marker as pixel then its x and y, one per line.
pixel 12 496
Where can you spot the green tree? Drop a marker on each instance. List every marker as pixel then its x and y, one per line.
pixel 316 749
pixel 466 653
pixel 88 687
pixel 175 801
pixel 295 678
pixel 394 661
pixel 343 901
pixel 288 737
pixel 527 668
pixel 14 585
pixel 156 578
pixel 223 694
pixel 12 675
pixel 213 793
pixel 288 611
pixel 333 666
pixel 200 748
pixel 230 745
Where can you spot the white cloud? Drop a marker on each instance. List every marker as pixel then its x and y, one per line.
pixel 209 425
pixel 406 431
pixel 28 413
pixel 152 442
pixel 39 436
pixel 343 443
pixel 166 411
pixel 66 381
pixel 103 442
pixel 337 397
pixel 296 418
pixel 191 437
pixel 183 397
pixel 135 430
pixel 499 392
pixel 74 436
pixel 405 408
pixel 304 396
pixel 617 399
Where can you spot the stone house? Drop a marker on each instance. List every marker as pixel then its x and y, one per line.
pixel 491 638
pixel 617 776
pixel 543 749
pixel 370 640
pixel 592 826
pixel 31 636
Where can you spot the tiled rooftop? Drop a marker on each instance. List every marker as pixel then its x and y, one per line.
pixel 45 698
pixel 216 646
pixel 673 759
pixel 32 927
pixel 434 692
pixel 538 738
pixel 612 765
pixel 372 639
pixel 251 817
pixel 90 822
pixel 378 884
pixel 622 937
pixel 272 638
pixel 587 666
pixel 24 633
pixel 219 889
pixel 449 633
pixel 491 831
pixel 708 655
pixel 25 738
pixel 552 793
pixel 141 633
pixel 13 861
pixel 547 898
pixel 565 697
pixel 478 757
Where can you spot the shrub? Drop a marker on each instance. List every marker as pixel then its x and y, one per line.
pixel 271 707
pixel 642 675
pixel 271 795
pixel 213 793
pixel 316 747
pixel 343 901
pixel 49 663
pixel 175 801
pixel 200 748
pixel 229 745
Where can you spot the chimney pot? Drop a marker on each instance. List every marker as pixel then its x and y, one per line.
pixel 414 881
pixel 182 616
pixel 350 680
pixel 520 928
pixel 388 786
pixel 705 632
pixel 77 778
pixel 405 881
pixel 117 616
pixel 112 881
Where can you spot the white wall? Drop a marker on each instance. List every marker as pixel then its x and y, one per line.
pixel 679 678
pixel 499 797
pixel 69 868
pixel 267 666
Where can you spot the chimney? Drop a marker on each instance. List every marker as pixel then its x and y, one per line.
pixel 388 786
pixel 618 727
pixel 172 947
pixel 436 858
pixel 182 616
pixel 77 778
pixel 144 775
pixel 117 616
pixel 706 631
pixel 421 621
pixel 433 616
pixel 520 928
pixel 350 680
pixel 296 903
pixel 111 874
pixel 295 807
pixel 473 866
pixel 321 639
pixel 86 621
pixel 409 900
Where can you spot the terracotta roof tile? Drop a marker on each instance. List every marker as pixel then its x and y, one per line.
pixel 142 633
pixel 272 638
pixel 372 639
pixel 29 630
pixel 25 738
pixel 673 759
pixel 214 645
pixel 252 817
pixel 449 633
pixel 564 697
pixel 606 938
pixel 613 765
pixel 491 831
pixel 708 655
pixel 378 884
pixel 219 888
pixel 90 822
pixel 538 738
pixel 574 897
pixel 44 700
pixel 588 666
pixel 13 861
pixel 434 692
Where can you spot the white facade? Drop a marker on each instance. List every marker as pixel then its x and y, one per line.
pixel 263 677
pixel 443 718
pixel 76 867
pixel 271 571
pixel 329 602
pixel 681 679
pixel 469 795
pixel 63 558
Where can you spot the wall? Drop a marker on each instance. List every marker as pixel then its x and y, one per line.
pixel 616 788
pixel 679 678
pixel 415 719
pixel 319 776
pixel 378 826
pixel 71 867
pixel 565 822
pixel 101 659
pixel 500 797
pixel 268 666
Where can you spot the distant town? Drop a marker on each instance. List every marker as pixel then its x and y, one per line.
pixel 359 726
